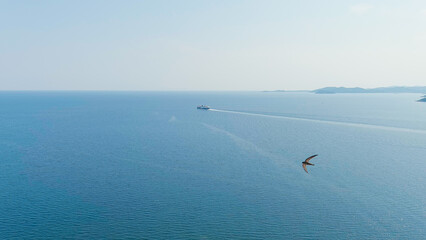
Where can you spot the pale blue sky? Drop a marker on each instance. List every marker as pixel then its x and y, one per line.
pixel 210 45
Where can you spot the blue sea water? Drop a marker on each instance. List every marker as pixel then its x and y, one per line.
pixel 148 165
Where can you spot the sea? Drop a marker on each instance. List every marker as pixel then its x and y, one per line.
pixel 149 165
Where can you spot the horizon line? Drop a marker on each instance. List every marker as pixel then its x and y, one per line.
pixel 181 90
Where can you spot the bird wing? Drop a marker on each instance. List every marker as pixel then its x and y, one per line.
pixel 309 158
pixel 304 167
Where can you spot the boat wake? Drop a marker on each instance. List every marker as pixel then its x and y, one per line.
pixel 360 125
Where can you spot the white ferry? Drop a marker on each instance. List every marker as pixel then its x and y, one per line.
pixel 203 107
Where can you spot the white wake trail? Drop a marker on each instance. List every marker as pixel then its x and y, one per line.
pixel 360 125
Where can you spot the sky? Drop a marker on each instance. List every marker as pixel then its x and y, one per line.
pixel 211 45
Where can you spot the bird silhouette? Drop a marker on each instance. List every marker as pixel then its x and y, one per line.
pixel 306 162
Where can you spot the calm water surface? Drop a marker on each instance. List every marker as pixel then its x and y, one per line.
pixel 147 165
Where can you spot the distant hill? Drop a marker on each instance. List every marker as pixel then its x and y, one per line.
pixel 332 90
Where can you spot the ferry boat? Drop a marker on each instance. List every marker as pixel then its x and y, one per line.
pixel 203 107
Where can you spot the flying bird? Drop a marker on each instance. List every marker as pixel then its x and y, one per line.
pixel 306 162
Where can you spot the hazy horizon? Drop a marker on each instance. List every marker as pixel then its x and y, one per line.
pixel 210 46
pixel 177 90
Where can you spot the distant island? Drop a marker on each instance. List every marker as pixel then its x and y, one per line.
pixel 333 90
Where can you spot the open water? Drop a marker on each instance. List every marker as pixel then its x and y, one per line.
pixel 149 165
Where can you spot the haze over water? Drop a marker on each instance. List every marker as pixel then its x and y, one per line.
pixel 96 165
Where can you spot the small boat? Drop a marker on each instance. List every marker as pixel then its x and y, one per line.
pixel 203 107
